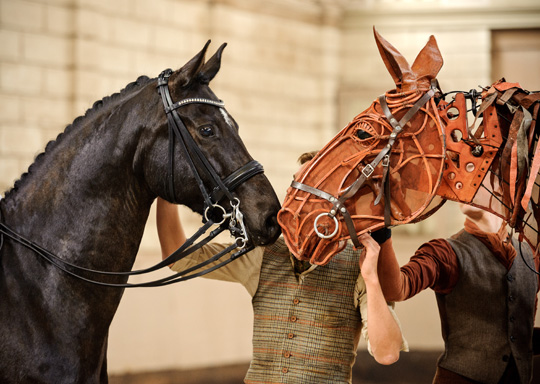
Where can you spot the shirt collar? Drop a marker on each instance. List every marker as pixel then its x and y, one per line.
pixel 499 243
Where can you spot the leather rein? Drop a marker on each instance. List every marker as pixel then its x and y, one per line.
pixel 231 219
pixel 338 203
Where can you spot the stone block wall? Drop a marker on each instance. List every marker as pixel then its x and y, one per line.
pixel 294 72
pixel 35 80
pixel 278 79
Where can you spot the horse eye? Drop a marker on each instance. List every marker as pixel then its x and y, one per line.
pixel 362 135
pixel 206 131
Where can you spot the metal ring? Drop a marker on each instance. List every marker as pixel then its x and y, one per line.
pixel 240 242
pixel 320 234
pixel 233 201
pixel 224 217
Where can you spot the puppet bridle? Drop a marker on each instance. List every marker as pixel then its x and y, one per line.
pixel 383 157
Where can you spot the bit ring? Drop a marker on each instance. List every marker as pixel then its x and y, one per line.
pixel 321 235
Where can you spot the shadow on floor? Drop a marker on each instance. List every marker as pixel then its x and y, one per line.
pixel 412 368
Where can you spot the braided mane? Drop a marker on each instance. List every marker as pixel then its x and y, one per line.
pixel 89 114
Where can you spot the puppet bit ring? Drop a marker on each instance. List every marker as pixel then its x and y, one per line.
pixel 322 235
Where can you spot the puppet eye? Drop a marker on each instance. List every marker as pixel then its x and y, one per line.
pixel 362 135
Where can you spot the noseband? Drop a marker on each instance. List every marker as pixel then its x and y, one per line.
pixel 338 203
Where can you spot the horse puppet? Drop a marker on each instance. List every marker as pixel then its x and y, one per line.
pixel 398 161
pixel 82 207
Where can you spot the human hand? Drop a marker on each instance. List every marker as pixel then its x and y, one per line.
pixel 369 257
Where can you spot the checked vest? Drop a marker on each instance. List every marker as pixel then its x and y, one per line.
pixel 306 328
pixel 489 316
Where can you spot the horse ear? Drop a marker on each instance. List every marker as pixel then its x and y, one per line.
pixel 428 63
pixel 396 64
pixel 185 75
pixel 211 68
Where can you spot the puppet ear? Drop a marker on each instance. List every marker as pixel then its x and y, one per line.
pixel 427 64
pixel 211 68
pixel 396 64
pixel 185 75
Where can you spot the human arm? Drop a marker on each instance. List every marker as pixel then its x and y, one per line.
pixel 383 331
pixel 169 227
pixel 434 265
pixel 244 270
pixel 394 284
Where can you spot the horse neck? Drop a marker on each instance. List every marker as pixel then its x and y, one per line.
pixel 82 197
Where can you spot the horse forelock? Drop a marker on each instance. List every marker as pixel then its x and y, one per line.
pixel 90 113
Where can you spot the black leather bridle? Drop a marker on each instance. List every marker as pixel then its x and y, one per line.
pixel 198 161
pixel 214 213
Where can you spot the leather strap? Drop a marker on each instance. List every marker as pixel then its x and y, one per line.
pixel 535 165
pixel 191 150
pixel 196 159
pixel 75 271
pixel 236 178
pixel 338 204
pixel 397 128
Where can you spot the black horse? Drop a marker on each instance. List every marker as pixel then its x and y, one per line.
pixel 86 199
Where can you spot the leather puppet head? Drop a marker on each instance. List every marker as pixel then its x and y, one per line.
pixel 382 169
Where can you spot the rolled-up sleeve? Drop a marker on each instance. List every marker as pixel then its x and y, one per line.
pixel 244 270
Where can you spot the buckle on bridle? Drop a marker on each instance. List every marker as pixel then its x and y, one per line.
pixel 368 170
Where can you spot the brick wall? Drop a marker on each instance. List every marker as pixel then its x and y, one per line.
pixel 58 57
pixel 294 72
pixel 278 79
pixel 35 80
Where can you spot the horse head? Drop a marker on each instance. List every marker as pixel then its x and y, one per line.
pixel 382 169
pixel 78 215
pixel 205 153
pixel 410 151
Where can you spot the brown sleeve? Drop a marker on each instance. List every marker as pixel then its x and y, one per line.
pixel 434 265
pixel 536 341
pixel 537 267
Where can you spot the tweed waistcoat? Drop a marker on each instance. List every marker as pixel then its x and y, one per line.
pixel 489 315
pixel 306 328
